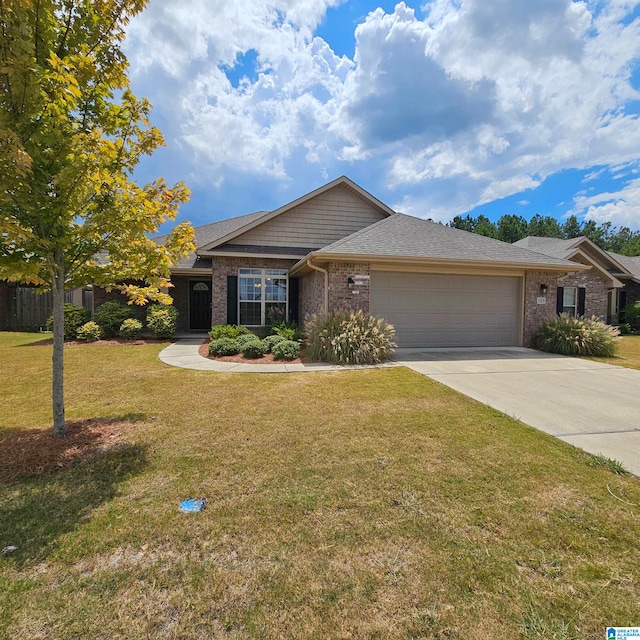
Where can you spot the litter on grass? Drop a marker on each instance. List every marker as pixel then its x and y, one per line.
pixel 10 549
pixel 193 504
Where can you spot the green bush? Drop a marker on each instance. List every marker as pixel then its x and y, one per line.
pixel 89 332
pixel 288 330
pixel 130 329
pixel 161 320
pixel 348 337
pixel 228 331
pixel 224 347
pixel 632 316
pixel 571 336
pixel 74 318
pixel 270 341
pixel 110 317
pixel 253 349
pixel 286 350
pixel 246 337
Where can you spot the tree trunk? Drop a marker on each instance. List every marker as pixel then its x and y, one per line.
pixel 57 391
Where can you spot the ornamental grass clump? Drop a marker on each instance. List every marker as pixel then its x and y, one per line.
pixel 571 336
pixel 349 337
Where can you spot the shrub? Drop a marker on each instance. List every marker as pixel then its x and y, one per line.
pixel 270 341
pixel 571 336
pixel 130 328
pixel 243 338
pixel 110 317
pixel 89 332
pixel 161 320
pixel 253 349
pixel 625 329
pixel 227 331
pixel 74 317
pixel 286 350
pixel 348 337
pixel 288 330
pixel 224 347
pixel 632 315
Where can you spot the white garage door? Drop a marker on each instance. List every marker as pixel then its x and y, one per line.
pixel 434 310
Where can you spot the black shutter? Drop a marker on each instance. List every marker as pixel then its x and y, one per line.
pixel 582 294
pixel 560 300
pixel 294 300
pixel 622 303
pixel 232 299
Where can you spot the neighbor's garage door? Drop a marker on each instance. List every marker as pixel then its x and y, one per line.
pixel 434 310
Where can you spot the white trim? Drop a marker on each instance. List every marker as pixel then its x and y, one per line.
pixel 263 301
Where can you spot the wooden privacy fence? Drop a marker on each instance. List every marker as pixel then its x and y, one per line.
pixel 27 310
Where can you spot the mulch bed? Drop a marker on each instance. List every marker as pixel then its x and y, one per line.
pixel 268 358
pixel 37 452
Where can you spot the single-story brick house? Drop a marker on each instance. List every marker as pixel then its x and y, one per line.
pixel 340 247
pixel 612 282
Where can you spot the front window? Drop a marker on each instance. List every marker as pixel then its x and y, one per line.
pixel 570 301
pixel 262 296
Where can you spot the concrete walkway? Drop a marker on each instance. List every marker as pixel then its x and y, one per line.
pixel 591 405
pixel 184 353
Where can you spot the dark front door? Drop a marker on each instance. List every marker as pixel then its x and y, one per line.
pixel 200 305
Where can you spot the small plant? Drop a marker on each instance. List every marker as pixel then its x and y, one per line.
pixel 89 332
pixel 227 331
pixel 253 349
pixel 270 341
pixel 110 317
pixel 625 329
pixel 615 466
pixel 288 330
pixel 130 329
pixel 243 338
pixel 571 336
pixel 286 350
pixel 632 316
pixel 161 320
pixel 349 337
pixel 74 317
pixel 224 347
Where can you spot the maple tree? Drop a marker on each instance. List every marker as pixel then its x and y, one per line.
pixel 71 135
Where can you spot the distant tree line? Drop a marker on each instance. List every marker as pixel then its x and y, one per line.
pixel 511 228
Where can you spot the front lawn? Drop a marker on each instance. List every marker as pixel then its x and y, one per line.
pixel 627 353
pixel 356 504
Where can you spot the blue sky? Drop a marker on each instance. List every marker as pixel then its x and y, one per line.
pixel 438 109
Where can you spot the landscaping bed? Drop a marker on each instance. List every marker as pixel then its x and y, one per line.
pixel 267 358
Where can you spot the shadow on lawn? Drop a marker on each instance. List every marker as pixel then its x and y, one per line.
pixel 35 511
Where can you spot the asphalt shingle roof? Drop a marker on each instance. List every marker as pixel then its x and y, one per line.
pixel 555 247
pixel 630 263
pixel 406 236
pixel 208 233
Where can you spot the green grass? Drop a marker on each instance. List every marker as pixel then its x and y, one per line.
pixel 368 504
pixel 627 353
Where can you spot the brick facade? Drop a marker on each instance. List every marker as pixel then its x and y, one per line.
pixel 596 301
pixel 311 295
pixel 228 266
pixel 536 314
pixel 343 295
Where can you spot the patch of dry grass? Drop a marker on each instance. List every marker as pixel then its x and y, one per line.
pixel 627 353
pixel 356 504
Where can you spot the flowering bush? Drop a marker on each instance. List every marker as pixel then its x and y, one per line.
pixel 349 337
pixel 571 336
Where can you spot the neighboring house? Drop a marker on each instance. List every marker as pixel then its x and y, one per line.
pixel 340 247
pixel 604 290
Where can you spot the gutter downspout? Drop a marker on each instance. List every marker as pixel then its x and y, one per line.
pixel 326 284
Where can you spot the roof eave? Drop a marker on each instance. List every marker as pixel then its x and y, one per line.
pixel 436 262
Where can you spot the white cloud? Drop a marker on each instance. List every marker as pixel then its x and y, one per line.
pixel 621 207
pixel 477 101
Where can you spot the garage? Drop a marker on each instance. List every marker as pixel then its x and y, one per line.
pixel 444 310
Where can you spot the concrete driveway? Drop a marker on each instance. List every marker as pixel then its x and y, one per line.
pixel 593 406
